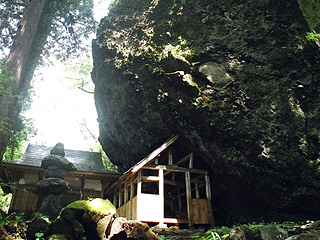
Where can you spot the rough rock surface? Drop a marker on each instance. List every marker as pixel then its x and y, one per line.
pixel 236 79
pixel 123 229
pixel 59 161
pixel 58 149
pixel 55 186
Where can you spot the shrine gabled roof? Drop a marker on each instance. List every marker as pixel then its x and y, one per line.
pixel 145 160
pixel 84 161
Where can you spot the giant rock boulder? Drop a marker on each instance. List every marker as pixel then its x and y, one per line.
pixel 237 80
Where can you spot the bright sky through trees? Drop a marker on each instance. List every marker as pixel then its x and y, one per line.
pixel 62 112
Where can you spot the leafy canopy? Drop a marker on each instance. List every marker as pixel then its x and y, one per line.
pixel 72 24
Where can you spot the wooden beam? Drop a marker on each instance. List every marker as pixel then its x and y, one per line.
pixel 185 158
pixel 150 178
pixel 174 183
pixel 174 168
pixel 189 198
pixel 196 179
pixel 154 154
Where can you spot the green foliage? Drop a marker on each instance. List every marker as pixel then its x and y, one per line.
pixel 311 12
pixel 161 237
pixel 313 36
pixel 22 128
pixel 214 234
pixel 4 200
pixel 107 163
pixel 80 70
pixel 20 133
pixel 105 159
pixel 113 4
pixel 39 235
pixel 17 217
pixel 72 23
pixel 5 77
pixel 221 233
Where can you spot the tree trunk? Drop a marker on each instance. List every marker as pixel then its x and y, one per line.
pixel 21 63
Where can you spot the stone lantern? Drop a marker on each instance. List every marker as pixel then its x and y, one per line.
pixel 50 189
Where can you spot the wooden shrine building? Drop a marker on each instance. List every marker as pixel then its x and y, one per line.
pixel 165 187
pixel 90 180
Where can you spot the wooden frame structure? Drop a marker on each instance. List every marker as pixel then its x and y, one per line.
pixel 164 188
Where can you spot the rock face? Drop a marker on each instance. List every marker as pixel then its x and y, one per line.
pixel 237 80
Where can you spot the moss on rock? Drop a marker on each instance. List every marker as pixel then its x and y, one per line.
pixel 85 219
pixel 97 205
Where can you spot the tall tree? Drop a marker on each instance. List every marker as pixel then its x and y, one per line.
pixel 30 39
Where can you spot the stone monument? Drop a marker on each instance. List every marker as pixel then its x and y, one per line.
pixel 50 189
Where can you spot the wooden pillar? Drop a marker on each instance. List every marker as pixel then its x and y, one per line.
pixel 120 196
pixel 170 159
pixel 115 199
pixel 125 192
pixel 161 195
pixel 189 198
pixel 179 201
pixel 191 161
pixel 197 190
pixel 208 193
pixel 173 176
pixel 125 199
pixel 139 188
pixel 131 196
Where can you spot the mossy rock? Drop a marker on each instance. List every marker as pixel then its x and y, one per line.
pixel 97 205
pixel 85 219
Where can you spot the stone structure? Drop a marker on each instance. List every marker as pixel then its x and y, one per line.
pixel 53 186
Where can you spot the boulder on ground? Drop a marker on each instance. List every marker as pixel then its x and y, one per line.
pixel 273 233
pixel 123 229
pixel 85 220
